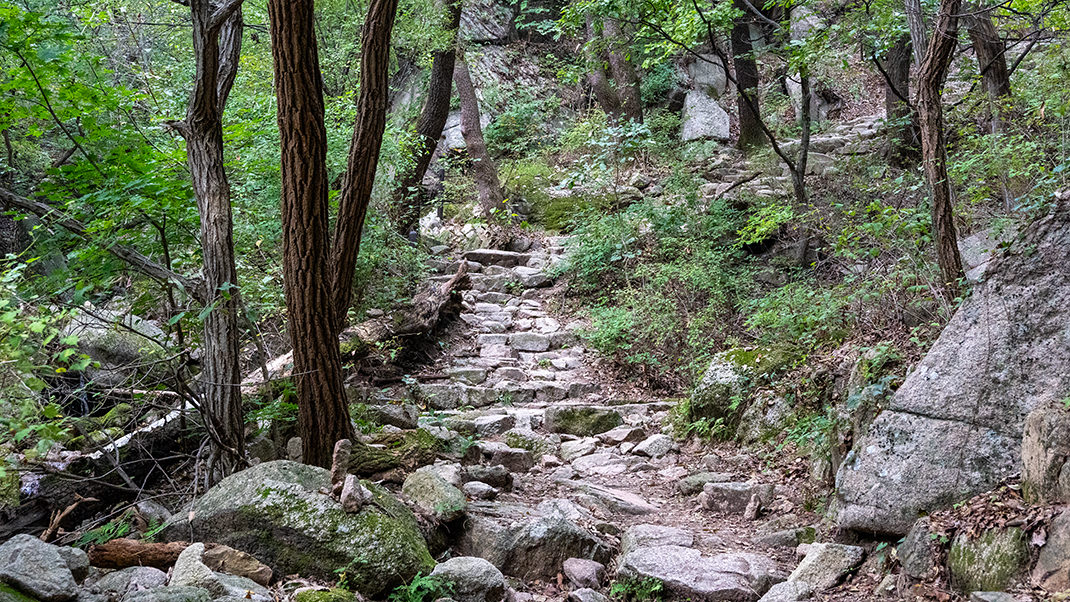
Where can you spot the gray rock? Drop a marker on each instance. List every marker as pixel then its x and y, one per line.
pixel 473 579
pixel 170 594
pixel 693 484
pixel 655 446
pixel 530 543
pixel 616 500
pixel 826 564
pixel 653 536
pixel 496 476
pixel 687 574
pixel 479 491
pixel 990 562
pixel 703 118
pixel 404 416
pixel 489 426
pixel 733 498
pixel 77 561
pixel 788 591
pixel 487 22
pixel 278 512
pixel 708 75
pixel 721 384
pixel 118 343
pixel 532 277
pixel 570 450
pixel 191 572
pixel 582 421
pixel 495 257
pixel 1052 570
pixel 126 581
pixel 1045 449
pixel 954 428
pixel 916 553
pixel 444 396
pixel 468 375
pixel 432 494
pixel 515 459
pixel 992 597
pixel 622 434
pixel 37 569
pixel 586 594
pixel 529 341
pixel 582 572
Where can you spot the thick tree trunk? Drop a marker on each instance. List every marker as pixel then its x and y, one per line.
pixel 323 417
pixel 216 48
pixel 903 133
pixel 991 53
pixel 919 31
pixel 931 79
pixel 409 196
pixel 484 169
pixel 750 127
pixel 604 93
pixel 363 153
pixel 623 71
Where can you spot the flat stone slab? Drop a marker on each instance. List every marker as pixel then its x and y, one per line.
pixel 495 257
pixel 687 574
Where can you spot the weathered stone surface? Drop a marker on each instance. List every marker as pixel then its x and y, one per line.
pixel 77 561
pixel 708 75
pixel 486 22
pixel 473 579
pixel 655 446
pixel 1052 570
pixel 277 512
pixel 120 344
pixel 36 568
pixel 513 458
pixel 478 490
pixel 190 571
pixel 721 385
pixel 992 597
pixel 1045 450
pixel 582 572
pixel 687 574
pixel 954 428
pixel 127 581
pixel 495 257
pixel 177 593
pixel 788 591
pixel 468 375
pixel 489 426
pixel 653 536
pixel 226 559
pixel 616 500
pixel 586 594
pixel 915 553
pixel 990 562
pixel 432 494
pixel 703 118
pixel 570 450
pixel 530 543
pixel 404 416
pixel 693 484
pixel 496 476
pixel 734 497
pixel 583 421
pixel 622 434
pixel 826 564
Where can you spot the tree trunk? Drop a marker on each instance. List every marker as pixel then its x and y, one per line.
pixel 323 417
pixel 484 170
pixel 798 170
pixel 903 131
pixel 124 553
pixel 750 128
pixel 409 196
pixel 919 36
pixel 623 71
pixel 991 55
pixel 931 79
pixel 363 156
pixel 217 47
pixel 604 93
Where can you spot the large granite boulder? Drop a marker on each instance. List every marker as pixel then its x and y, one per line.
pixel 954 428
pixel 122 346
pixel 279 512
pixel 703 118
pixel 37 569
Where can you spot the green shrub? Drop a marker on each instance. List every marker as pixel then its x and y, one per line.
pixel 638 589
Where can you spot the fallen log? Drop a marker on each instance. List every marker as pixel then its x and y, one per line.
pixel 124 553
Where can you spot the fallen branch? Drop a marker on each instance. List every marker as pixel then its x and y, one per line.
pixel 123 553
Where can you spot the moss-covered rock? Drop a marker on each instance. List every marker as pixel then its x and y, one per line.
pixel 279 512
pixel 989 562
pixel 10 594
pixel 332 595
pixel 118 416
pixel 582 421
pixel 434 495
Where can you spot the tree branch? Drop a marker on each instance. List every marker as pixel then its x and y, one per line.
pixel 222 13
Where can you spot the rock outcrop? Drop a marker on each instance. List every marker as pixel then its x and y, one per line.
pixel 954 428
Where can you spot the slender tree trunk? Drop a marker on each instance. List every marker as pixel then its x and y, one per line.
pixel 903 140
pixel 323 417
pixel 604 93
pixel 217 47
pixel 919 31
pixel 931 79
pixel 750 128
pixel 484 169
pixel 410 196
pixel 623 71
pixel 364 149
pixel 798 171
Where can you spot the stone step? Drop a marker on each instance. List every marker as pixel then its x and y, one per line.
pixel 489 257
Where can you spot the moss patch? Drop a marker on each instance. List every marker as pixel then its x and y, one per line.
pixel 990 562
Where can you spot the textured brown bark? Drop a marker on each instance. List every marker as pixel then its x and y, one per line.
pixel 919 34
pixel 931 79
pixel 991 55
pixel 623 71
pixel 903 136
pixel 750 127
pixel 409 196
pixel 217 46
pixel 484 169
pixel 123 553
pixel 323 417
pixel 364 148
pixel 604 93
